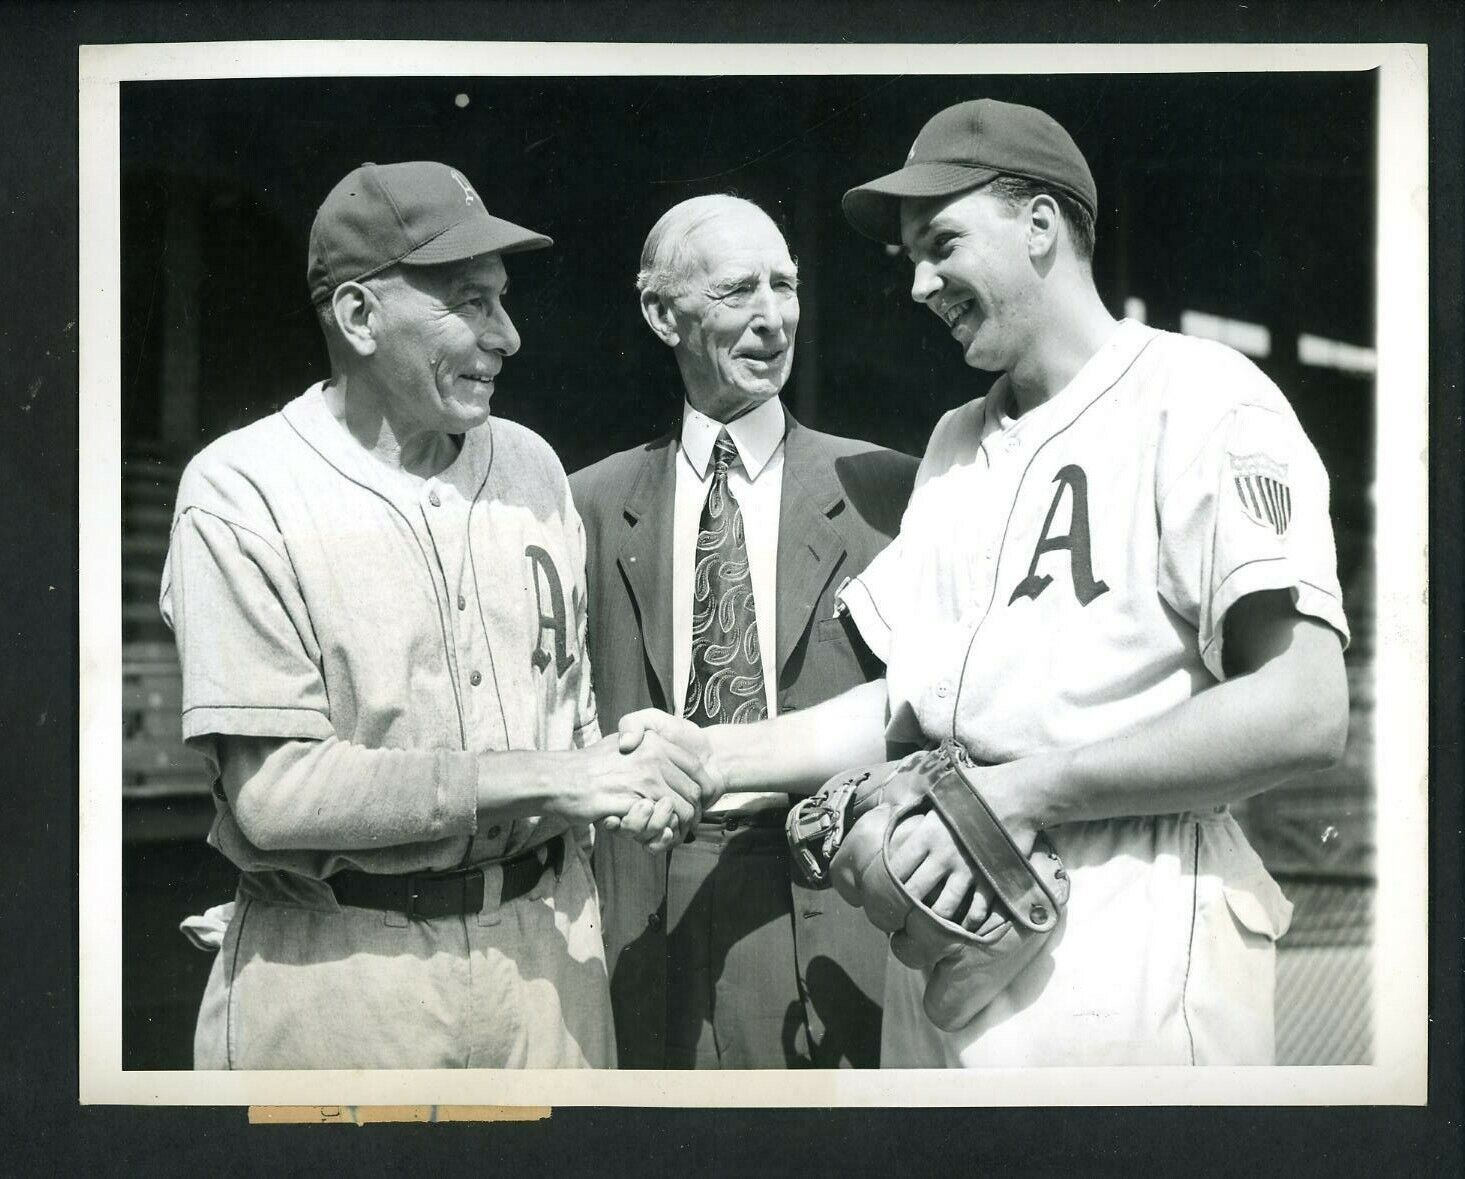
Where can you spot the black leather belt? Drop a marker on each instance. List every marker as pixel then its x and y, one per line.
pixel 426 895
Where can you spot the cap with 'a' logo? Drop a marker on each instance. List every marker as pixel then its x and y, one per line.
pixel 964 147
pixel 415 214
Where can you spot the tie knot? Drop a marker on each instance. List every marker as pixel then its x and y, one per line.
pixel 724 451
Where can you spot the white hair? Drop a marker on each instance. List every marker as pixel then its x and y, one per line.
pixel 666 258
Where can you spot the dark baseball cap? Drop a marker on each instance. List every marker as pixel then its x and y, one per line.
pixel 966 146
pixel 416 214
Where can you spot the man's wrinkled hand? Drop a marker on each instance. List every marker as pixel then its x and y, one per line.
pixel 656 827
pixel 651 793
pixel 636 727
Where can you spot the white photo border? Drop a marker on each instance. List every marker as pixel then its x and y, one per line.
pixel 1400 956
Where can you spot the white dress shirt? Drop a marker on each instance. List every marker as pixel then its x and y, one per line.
pixel 756 482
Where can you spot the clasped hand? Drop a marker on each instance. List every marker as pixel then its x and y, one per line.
pixel 654 780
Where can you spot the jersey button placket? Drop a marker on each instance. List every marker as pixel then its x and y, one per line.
pixel 439 532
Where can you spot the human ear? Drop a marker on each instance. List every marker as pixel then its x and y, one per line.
pixel 356 309
pixel 661 318
pixel 1043 220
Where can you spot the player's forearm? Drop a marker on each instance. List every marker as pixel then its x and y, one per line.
pixel 335 795
pixel 799 751
pixel 520 783
pixel 1226 744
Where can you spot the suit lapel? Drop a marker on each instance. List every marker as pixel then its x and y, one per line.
pixel 809 546
pixel 645 556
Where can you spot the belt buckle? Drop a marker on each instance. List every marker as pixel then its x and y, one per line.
pixel 471 891
pixel 413 885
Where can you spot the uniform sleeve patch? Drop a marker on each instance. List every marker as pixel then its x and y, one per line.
pixel 1261 485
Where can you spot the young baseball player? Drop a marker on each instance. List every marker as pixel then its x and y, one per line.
pixel 378 596
pixel 1114 585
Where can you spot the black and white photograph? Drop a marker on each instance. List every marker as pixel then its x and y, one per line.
pixel 849 567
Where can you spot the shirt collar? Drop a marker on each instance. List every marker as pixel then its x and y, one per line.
pixel 1102 369
pixel 757 435
pixel 311 418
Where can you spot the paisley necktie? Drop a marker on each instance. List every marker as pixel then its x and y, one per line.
pixel 725 682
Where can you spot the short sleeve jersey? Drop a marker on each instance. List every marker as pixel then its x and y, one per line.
pixel 1063 576
pixel 316 593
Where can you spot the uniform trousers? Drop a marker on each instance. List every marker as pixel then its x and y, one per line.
pixel 1165 955
pixel 313 984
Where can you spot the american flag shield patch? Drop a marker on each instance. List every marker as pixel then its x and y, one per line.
pixel 1261 484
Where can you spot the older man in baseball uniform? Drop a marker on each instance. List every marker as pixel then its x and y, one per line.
pixel 1115 585
pixel 379 602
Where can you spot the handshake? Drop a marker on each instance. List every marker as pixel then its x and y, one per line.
pixel 648 782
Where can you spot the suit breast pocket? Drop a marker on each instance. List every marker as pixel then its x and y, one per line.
pixel 840 629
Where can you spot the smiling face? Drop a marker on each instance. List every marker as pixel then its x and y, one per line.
pixel 973 269
pixel 441 336
pixel 735 317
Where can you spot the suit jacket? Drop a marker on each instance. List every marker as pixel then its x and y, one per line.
pixel 841 503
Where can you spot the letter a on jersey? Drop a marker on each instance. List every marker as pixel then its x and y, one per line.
pixel 1086 588
pixel 547 581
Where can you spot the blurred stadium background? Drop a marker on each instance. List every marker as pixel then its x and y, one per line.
pixel 1234 206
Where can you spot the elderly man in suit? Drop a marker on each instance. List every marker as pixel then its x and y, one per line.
pixel 713 557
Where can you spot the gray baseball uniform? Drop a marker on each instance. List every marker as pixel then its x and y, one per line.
pixel 400 628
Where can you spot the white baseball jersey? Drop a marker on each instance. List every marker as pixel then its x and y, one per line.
pixel 317 594
pixel 1058 579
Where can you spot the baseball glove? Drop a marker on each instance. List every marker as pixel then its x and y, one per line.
pixel 841 836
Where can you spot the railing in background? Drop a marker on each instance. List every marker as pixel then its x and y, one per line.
pixel 155 761
pixel 1317 838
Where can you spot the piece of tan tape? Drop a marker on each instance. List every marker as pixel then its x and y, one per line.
pixel 361 1115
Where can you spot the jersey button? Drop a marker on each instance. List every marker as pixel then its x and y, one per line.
pixel 653 921
pixel 476 678
pixel 432 498
pixel 462 602
pixel 943 690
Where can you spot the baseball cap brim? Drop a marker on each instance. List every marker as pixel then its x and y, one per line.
pixel 874 208
pixel 485 234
